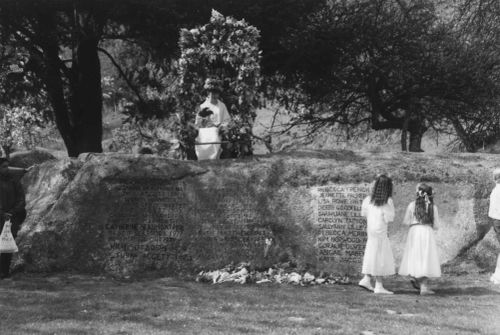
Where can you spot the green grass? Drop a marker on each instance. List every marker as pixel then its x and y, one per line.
pixel 67 304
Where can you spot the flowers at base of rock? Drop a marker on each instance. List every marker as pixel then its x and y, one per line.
pixel 279 274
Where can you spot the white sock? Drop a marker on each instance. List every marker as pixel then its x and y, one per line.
pixel 379 288
pixel 366 278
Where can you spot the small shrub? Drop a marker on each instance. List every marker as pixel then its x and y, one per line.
pixel 23 128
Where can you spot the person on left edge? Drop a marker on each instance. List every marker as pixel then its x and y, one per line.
pixel 12 205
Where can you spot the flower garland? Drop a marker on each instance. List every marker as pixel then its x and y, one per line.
pixel 226 49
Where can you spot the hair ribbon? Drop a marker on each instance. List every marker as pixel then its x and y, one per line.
pixel 426 198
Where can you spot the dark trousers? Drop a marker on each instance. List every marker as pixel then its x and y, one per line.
pixel 6 259
pixel 496 226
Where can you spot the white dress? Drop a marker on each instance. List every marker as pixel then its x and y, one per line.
pixel 494 213
pixel 220 116
pixel 208 151
pixel 420 257
pixel 378 259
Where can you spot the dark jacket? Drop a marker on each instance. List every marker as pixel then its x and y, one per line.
pixel 12 201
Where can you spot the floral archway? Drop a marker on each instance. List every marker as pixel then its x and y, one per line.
pixel 228 50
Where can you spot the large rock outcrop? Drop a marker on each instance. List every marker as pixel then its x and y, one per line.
pixel 126 214
pixel 25 159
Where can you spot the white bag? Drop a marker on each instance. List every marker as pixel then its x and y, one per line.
pixel 7 243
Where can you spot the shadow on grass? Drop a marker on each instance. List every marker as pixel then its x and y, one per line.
pixel 454 291
pixel 472 291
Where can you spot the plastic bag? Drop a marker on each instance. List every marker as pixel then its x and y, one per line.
pixel 7 242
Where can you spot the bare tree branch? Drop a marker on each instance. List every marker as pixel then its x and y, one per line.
pixel 122 73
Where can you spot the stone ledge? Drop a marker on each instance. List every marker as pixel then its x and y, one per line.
pixel 126 214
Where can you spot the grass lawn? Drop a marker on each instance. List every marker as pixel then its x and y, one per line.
pixel 75 304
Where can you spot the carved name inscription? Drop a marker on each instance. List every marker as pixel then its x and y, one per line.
pixel 146 219
pixel 230 223
pixel 341 234
pixel 153 220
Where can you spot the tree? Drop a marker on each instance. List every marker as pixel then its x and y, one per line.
pixel 47 30
pixel 365 61
pixel 479 17
pixel 390 64
pixel 24 120
pixel 134 62
pixel 63 40
pixel 151 110
pixel 467 79
pixel 474 56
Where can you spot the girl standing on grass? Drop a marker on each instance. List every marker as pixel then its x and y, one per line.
pixel 420 257
pixel 378 260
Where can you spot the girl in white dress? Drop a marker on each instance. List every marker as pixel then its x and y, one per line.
pixel 420 257
pixel 378 260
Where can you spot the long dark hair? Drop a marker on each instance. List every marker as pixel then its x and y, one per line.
pixel 382 190
pixel 424 204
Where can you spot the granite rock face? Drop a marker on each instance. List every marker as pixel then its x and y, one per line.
pixel 128 214
pixel 25 159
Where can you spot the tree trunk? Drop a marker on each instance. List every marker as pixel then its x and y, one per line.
pixel 415 124
pixel 86 96
pixel 52 78
pixel 404 140
pixel 77 107
pixel 55 90
pixel 404 132
pixel 466 140
pixel 80 123
pixel 416 141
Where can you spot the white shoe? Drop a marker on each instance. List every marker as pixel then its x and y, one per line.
pixel 366 284
pixel 382 290
pixel 494 279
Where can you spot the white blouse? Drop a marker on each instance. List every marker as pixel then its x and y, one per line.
pixel 411 219
pixel 494 211
pixel 221 115
pixel 377 217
